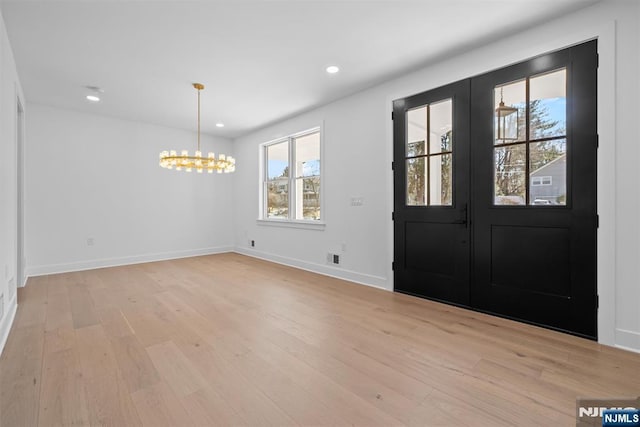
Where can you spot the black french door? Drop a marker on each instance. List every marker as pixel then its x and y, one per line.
pixel 495 192
pixel 431 164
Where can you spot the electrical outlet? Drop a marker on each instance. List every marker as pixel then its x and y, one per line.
pixel 253 243
pixel 90 241
pixel 333 259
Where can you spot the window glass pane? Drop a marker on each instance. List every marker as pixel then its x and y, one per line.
pixel 548 105
pixel 548 177
pixel 292 178
pixel 278 199
pixel 278 160
pixel 440 180
pixel 308 155
pixel 440 137
pixel 509 119
pixel 416 189
pixel 416 131
pixel 308 198
pixel 509 175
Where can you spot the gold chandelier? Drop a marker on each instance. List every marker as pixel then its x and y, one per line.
pixel 183 161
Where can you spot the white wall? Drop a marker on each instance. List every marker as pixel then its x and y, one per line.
pixel 9 92
pixel 355 167
pixel 358 155
pixel 91 176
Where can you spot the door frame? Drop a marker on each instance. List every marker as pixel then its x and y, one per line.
pixel 20 190
pixel 550 41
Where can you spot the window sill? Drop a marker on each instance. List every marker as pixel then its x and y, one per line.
pixel 307 225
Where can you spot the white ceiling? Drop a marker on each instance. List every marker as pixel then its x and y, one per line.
pixel 260 61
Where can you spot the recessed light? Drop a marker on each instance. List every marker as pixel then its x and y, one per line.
pixel 219 125
pixel 332 69
pixel 93 98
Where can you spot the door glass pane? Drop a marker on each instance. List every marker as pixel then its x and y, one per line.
pixel 510 101
pixel 416 131
pixel 278 160
pixel 440 180
pixel 307 149
pixel 509 175
pixel 416 188
pixel 416 149
pixel 548 177
pixel 548 105
pixel 429 154
pixel 278 199
pixel 440 137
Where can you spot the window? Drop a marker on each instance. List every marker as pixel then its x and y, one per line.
pixel 531 140
pixel 291 178
pixel 429 154
pixel 540 180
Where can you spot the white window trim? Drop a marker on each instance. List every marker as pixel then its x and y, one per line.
pixel 290 222
pixel 306 224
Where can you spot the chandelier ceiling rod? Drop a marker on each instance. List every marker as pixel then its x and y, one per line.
pixel 198 87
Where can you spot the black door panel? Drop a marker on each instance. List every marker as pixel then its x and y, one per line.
pixel 432 240
pixel 537 262
pixel 514 232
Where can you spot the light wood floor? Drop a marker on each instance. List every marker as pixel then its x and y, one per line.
pixel 231 340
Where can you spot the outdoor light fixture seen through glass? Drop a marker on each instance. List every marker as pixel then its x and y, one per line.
pixel 507 121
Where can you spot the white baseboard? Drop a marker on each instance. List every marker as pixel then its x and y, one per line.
pixel 628 340
pixel 7 321
pixel 326 270
pixel 41 270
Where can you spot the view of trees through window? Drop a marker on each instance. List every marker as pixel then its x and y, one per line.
pixel 277 182
pixel 540 146
pixel 303 203
pixel 429 155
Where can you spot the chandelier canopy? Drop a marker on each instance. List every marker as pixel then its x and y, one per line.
pixel 183 161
